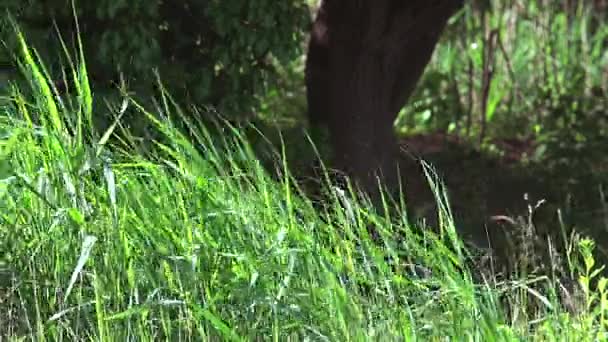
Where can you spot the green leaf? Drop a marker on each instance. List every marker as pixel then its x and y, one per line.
pixel 76 216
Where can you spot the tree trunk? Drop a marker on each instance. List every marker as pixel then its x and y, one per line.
pixel 364 60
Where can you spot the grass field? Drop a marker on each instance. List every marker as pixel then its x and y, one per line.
pixel 195 241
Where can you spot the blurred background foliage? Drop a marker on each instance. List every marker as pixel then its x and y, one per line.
pixel 526 81
pixel 532 70
pixel 211 52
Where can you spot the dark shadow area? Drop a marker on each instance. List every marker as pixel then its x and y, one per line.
pixel 501 204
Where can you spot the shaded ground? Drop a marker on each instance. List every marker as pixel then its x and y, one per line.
pixel 491 194
pixel 479 185
pixel 487 191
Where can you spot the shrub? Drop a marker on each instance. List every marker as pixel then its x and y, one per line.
pixel 219 53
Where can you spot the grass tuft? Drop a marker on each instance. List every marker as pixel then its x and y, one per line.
pixel 195 241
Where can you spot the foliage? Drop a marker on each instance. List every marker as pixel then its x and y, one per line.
pixel 220 53
pixel 526 69
pixel 101 243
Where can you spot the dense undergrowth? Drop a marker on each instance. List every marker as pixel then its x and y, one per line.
pixel 195 241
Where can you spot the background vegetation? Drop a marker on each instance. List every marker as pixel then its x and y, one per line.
pixel 218 53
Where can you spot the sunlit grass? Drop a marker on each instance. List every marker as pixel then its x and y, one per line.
pixel 195 241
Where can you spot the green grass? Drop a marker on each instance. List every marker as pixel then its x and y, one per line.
pixel 195 241
pixel 548 72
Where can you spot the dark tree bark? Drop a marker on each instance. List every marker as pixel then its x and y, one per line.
pixel 364 60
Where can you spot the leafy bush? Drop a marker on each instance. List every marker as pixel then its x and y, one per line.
pixel 220 53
